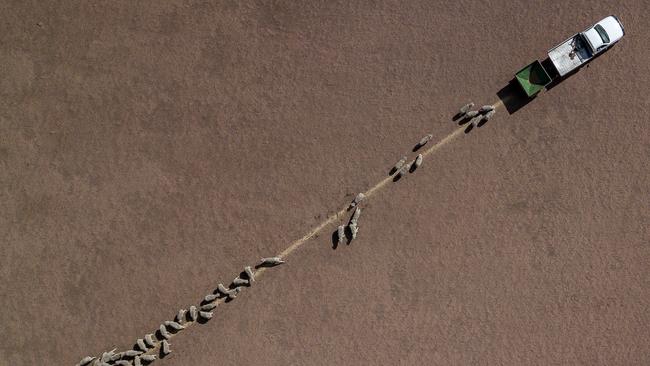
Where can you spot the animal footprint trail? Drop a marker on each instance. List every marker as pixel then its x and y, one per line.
pixel 148 346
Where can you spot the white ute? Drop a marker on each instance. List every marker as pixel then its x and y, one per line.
pixel 582 47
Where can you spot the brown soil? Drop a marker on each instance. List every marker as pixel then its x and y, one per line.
pixel 150 151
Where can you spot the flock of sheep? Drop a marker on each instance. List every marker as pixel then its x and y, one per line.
pixel 145 348
pixel 476 118
pixel 144 351
pixel 349 232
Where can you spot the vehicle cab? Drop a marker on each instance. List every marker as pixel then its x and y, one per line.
pixel 603 34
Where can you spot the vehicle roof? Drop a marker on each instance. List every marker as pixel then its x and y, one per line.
pixel 613 28
pixel 593 38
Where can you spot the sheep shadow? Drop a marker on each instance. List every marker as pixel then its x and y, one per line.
pixel 457 117
pixel 418 146
pixel 482 122
pixel 201 320
pixel 398 177
pixel 465 119
pixel 159 335
pixel 335 239
pixel 161 354
pixel 347 238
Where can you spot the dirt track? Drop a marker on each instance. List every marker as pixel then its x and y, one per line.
pixel 150 152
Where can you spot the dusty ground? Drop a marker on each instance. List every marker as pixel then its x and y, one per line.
pixel 150 151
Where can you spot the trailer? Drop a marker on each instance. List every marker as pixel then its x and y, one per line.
pixel 570 55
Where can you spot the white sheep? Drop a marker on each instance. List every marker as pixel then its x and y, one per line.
pixel 272 261
pixel 464 109
pixel 239 281
pixel 141 345
pixel 356 215
pixel 164 348
pixel 207 315
pixel 222 289
pixel 486 108
pixel 193 313
pixel 250 274
pixel 148 358
pixel 180 316
pixel 148 339
pixel 210 297
pixel 209 307
pixel 360 197
pixel 174 325
pixel 353 230
pixel 418 161
pixel 163 331
pixel 340 233
pixel 87 360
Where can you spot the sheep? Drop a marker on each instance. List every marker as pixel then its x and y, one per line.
pixel 250 274
pixel 148 358
pixel 402 171
pixel 222 289
pixel 471 114
pixel 164 348
pixel 340 233
pixel 106 356
pixel 398 166
pixel 464 109
pixel 131 353
pixel 87 360
pixel 360 197
pixel 423 142
pixel 148 339
pixel 136 361
pixel 356 215
pixel 239 281
pixel 180 316
pixel 141 345
pixel 416 164
pixel 353 230
pixel 210 297
pixel 173 325
pixel 232 294
pixel 207 315
pixel 488 115
pixel 425 139
pixel 122 363
pixel 163 331
pixel 486 108
pixel 193 313
pixel 272 261
pixel 208 307
pixel 474 121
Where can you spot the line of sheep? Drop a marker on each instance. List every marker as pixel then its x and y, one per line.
pixel 141 352
pixel 349 232
pixel 476 118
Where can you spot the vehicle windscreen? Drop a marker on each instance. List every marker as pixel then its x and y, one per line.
pixel 602 33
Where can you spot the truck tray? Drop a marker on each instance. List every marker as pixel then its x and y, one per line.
pixel 533 78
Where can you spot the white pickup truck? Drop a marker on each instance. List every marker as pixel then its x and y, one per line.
pixel 581 47
pixel 569 55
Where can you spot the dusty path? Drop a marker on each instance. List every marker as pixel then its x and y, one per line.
pixel 433 147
